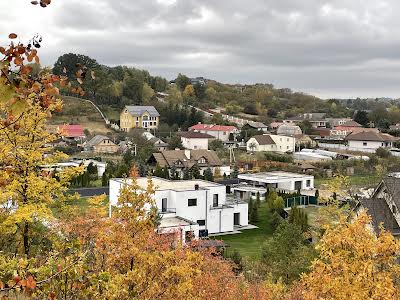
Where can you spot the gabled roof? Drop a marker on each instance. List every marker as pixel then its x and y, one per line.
pixel 195 135
pixel 379 209
pixel 213 127
pixel 371 136
pixel 264 139
pixel 96 140
pixel 71 130
pixel 158 142
pixel 169 157
pixel 350 124
pixel 257 125
pixel 140 110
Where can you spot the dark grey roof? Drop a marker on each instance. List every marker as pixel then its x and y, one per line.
pixel 195 135
pixel 140 110
pixel 170 157
pixel 264 139
pixel 96 140
pixel 378 208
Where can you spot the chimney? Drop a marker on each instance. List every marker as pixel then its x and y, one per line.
pixel 196 187
pixel 187 154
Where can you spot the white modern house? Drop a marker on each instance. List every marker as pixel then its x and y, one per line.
pixel 220 132
pixel 280 181
pixel 367 141
pixel 101 166
pixel 190 208
pixel 195 140
pixel 271 143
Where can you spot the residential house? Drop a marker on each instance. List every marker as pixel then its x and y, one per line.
pixel 187 159
pixel 260 183
pixel 271 143
pixel 333 122
pixel 190 208
pixel 317 120
pixel 351 127
pixel 159 144
pixel 289 130
pixel 101 144
pixel 101 166
pixel 71 132
pixel 146 117
pixel 303 140
pixel 220 132
pixel 383 206
pixel 275 125
pixel 366 141
pixel 251 125
pixel 195 140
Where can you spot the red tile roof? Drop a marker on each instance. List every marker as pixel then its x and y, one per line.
pixel 72 131
pixel 211 127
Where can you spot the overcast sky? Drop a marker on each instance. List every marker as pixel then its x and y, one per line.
pixel 337 48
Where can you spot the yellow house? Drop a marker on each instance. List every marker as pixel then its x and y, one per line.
pixel 146 117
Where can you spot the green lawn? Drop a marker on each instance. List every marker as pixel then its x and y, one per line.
pixel 250 241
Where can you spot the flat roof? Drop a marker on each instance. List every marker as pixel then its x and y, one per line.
pixel 173 222
pixel 274 176
pixel 175 185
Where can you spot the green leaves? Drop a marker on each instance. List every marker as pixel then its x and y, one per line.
pixel 6 91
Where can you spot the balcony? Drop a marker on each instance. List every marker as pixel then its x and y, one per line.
pixel 167 211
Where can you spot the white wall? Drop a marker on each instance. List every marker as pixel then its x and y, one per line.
pixel 217 219
pixel 219 135
pixel 283 144
pixel 257 147
pixel 194 144
pixel 368 146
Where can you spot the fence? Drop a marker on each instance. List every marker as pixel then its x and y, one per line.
pixel 301 200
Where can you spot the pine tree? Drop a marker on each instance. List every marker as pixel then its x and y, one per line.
pixel 196 172
pixel 235 172
pixel 258 201
pixel 250 208
pixel 254 214
pixel 186 174
pixel 158 172
pixel 104 179
pixel 208 175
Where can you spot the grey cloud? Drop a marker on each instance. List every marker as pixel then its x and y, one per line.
pixel 332 47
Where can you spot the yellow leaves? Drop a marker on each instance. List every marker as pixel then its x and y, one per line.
pixel 354 264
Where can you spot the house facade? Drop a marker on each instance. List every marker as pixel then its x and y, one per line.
pixel 317 120
pixel 190 208
pixel 220 132
pixel 146 117
pixel 181 160
pixel 367 141
pixel 271 143
pixel 195 140
pixel 280 181
pixel 101 144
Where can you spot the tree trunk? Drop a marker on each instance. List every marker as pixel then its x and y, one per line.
pixel 25 237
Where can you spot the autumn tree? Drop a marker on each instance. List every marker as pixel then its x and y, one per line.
pixel 354 263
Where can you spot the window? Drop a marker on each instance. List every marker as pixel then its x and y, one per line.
pixel 201 222
pixel 364 143
pixel 202 160
pixel 224 133
pixel 308 183
pixel 126 111
pixel 192 202
pixel 287 139
pixel 215 200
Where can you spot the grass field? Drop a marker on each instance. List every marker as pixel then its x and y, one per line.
pixel 249 242
pixel 355 181
pixel 78 111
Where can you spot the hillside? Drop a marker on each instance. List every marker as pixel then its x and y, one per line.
pixel 79 111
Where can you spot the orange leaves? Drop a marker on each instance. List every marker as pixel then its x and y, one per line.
pixel 12 36
pixel 43 3
pixel 2 50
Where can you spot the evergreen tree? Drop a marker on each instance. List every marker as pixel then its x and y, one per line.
pixel 298 217
pixel 254 214
pixel 174 174
pixel 165 173
pixel 275 220
pixel 235 172
pixel 250 208
pixel 186 174
pixel 196 172
pixel 258 201
pixel 104 179
pixel 208 175
pixel 158 172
